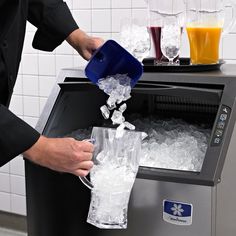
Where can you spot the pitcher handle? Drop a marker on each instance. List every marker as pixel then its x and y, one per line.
pixel 84 180
pixel 232 23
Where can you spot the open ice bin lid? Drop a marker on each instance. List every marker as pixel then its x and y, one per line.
pixel 111 59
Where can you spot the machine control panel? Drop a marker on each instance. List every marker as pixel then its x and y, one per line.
pixel 222 121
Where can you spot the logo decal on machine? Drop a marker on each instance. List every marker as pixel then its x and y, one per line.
pixel 177 213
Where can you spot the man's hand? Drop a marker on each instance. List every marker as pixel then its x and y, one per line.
pixel 85 45
pixel 62 154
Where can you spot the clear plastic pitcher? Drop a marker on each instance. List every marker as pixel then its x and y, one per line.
pixel 116 162
pixel 206 20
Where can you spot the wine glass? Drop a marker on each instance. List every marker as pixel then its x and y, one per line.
pixel 171 41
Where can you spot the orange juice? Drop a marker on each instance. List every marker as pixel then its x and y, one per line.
pixel 204 44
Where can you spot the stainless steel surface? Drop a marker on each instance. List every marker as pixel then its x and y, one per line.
pixel 226 194
pixel 146 208
pixel 214 210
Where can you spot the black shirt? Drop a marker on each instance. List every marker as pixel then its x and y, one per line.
pixel 3 82
pixel 54 23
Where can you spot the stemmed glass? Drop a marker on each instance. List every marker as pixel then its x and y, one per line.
pixel 171 41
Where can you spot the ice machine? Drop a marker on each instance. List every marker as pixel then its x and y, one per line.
pixel 164 201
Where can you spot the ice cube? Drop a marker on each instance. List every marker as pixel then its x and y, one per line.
pixel 126 94
pixel 112 107
pixel 105 112
pixel 129 125
pixel 126 97
pixel 111 103
pixel 117 117
pixel 144 135
pixel 124 79
pixel 118 88
pixel 116 94
pixel 102 157
pixel 120 100
pixel 120 130
pixel 101 83
pixel 108 89
pixel 123 107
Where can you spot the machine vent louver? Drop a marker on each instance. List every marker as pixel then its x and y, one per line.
pixel 183 104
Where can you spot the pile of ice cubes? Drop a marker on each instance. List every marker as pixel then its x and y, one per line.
pixel 173 143
pixel 118 87
pixel 110 196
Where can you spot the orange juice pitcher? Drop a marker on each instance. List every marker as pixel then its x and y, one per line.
pixel 205 25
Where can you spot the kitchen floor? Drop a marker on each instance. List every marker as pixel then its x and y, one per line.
pixel 7 232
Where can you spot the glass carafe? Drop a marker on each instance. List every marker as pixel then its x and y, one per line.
pixel 206 21
pixel 161 13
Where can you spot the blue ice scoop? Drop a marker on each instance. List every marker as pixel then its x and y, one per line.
pixel 111 59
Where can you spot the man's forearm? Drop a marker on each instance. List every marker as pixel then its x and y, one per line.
pixel 62 155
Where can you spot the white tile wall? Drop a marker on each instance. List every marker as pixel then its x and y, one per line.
pixel 5 168
pixel 229 49
pixel 64 61
pixel 69 3
pixel 139 13
pixel 38 71
pixel 30 64
pixel 64 48
pixel 5 201
pixel 83 19
pixel 47 65
pixel 31 106
pixel 79 61
pixel 16 105
pixel 117 16
pixel 30 84
pixel 28 43
pixel 46 84
pixel 4 182
pixel 32 121
pixel 18 204
pixel 17 184
pixel 81 4
pixel 101 20
pixel 139 4
pixel 121 4
pixel 18 89
pixel 101 4
pixel 17 166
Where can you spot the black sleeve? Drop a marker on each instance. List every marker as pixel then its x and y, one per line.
pixel 16 136
pixel 53 20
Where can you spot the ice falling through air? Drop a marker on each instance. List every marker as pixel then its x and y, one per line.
pixel 118 87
